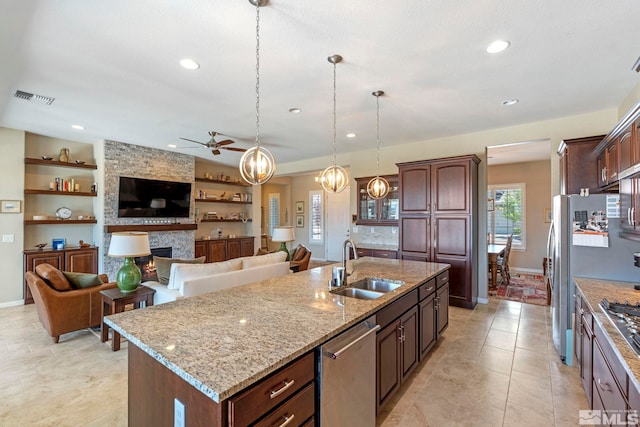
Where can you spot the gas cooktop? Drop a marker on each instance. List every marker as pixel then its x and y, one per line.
pixel 626 318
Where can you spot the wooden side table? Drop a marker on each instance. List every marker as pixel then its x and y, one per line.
pixel 114 301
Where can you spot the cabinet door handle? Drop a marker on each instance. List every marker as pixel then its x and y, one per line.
pixel 603 386
pixel 287 420
pixel 401 337
pixel 384 255
pixel 628 216
pixel 429 289
pixel 285 387
pixel 633 216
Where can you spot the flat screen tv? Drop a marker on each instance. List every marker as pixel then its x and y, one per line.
pixel 143 198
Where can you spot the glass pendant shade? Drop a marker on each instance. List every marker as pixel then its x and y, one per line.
pixel 257 165
pixel 378 188
pixel 334 179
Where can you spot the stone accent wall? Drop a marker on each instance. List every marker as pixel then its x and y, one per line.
pixel 122 159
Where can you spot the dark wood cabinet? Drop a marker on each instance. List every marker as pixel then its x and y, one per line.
pixel 377 211
pixel 434 311
pixel 376 253
pixel 628 148
pixel 438 216
pixel 608 165
pixel 578 165
pixel 223 249
pixel 583 347
pixel 79 260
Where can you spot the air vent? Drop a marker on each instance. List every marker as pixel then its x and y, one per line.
pixel 33 97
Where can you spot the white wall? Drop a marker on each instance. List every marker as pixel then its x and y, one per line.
pixel 12 175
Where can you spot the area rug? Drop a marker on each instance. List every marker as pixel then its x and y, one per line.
pixel 528 288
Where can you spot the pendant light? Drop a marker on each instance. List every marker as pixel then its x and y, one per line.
pixel 378 187
pixel 257 164
pixel 334 179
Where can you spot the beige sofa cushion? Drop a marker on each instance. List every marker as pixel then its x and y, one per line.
pixel 181 272
pixel 256 261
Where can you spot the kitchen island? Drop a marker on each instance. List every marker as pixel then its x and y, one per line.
pixel 223 342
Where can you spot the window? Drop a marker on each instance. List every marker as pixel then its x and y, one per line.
pixel 316 223
pixel 274 211
pixel 508 214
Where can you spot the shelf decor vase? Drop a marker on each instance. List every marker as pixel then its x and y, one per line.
pixel 64 155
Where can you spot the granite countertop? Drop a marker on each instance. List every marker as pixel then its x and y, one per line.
pixel 594 291
pixel 224 341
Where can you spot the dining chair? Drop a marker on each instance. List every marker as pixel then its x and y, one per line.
pixel 503 262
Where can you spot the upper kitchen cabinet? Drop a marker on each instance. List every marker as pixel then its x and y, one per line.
pixel 578 165
pixel 608 165
pixel 438 219
pixel 377 211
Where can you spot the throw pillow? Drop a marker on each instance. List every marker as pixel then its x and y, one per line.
pixel 53 277
pixel 82 280
pixel 301 252
pixel 261 251
pixel 163 266
pixel 256 261
pixel 181 272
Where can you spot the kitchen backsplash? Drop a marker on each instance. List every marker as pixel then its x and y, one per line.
pixel 375 235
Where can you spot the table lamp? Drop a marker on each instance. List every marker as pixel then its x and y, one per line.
pixel 284 235
pixel 129 245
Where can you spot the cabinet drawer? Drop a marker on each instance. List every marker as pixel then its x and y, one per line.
pixel 296 410
pixel 383 254
pixel 614 363
pixel 260 398
pixel 604 382
pixel 397 308
pixel 427 288
pixel 442 279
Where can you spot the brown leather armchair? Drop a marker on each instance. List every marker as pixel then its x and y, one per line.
pixel 301 257
pixel 62 311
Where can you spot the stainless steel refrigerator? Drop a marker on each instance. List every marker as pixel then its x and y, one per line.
pixel 576 222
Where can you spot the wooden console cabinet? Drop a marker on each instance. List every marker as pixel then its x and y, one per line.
pixel 79 260
pixel 225 248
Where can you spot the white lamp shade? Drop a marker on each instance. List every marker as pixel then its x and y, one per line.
pixel 129 244
pixel 283 234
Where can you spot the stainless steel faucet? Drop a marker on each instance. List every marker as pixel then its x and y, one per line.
pixel 339 276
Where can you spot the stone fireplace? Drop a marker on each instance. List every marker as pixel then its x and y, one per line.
pixel 148 267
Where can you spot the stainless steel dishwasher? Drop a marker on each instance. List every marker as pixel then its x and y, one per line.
pixel 347 372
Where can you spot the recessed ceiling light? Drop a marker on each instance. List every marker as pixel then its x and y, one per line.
pixel 78 127
pixel 189 64
pixel 498 46
pixel 351 135
pixel 172 146
pixel 509 102
pixel 295 110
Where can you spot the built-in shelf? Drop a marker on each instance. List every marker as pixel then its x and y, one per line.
pixel 217 181
pixel 222 201
pixel 61 193
pixel 225 220
pixel 32 161
pixel 149 227
pixel 59 221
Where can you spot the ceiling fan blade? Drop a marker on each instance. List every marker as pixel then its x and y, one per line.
pixel 242 150
pixel 215 152
pixel 197 142
pixel 225 142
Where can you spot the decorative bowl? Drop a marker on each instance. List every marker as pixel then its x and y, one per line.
pixel 80 162
pixel 47 158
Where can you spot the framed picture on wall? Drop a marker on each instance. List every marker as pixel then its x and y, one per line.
pixel 299 207
pixel 299 221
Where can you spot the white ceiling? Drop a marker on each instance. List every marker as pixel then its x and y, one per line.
pixel 112 66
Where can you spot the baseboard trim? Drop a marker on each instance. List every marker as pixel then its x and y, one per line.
pixel 12 303
pixel 483 300
pixel 526 270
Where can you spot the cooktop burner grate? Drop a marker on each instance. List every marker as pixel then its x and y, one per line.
pixel 626 318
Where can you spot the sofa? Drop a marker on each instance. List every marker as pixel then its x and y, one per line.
pixel 187 280
pixel 61 307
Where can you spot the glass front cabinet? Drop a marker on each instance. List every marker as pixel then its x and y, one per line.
pixel 378 212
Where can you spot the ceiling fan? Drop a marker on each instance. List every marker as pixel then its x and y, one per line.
pixel 214 145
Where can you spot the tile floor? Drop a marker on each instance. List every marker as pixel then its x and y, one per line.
pixel 494 366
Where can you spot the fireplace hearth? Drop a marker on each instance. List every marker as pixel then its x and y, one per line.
pixel 148 267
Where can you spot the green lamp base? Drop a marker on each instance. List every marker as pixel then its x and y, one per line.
pixel 129 276
pixel 283 248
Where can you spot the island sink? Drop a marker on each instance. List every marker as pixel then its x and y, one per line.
pixel 376 284
pixel 368 288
